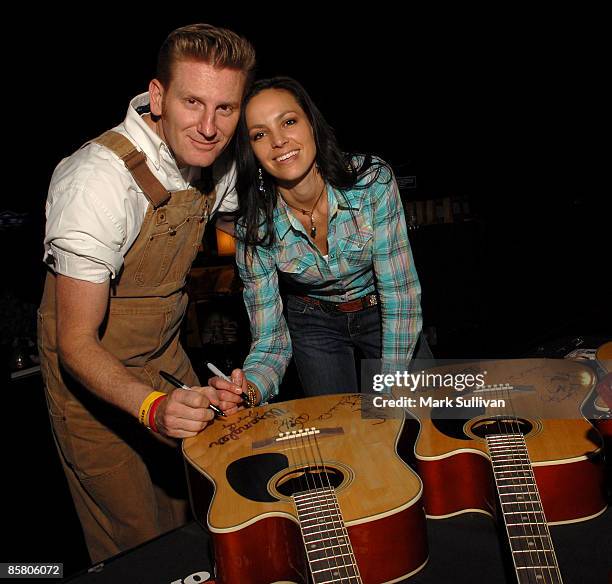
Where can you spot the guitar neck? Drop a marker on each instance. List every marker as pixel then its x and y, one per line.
pixel 326 540
pixel 531 546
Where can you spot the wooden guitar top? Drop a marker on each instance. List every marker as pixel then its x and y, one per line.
pixel 548 393
pixel 247 463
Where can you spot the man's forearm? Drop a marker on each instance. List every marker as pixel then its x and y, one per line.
pixel 102 373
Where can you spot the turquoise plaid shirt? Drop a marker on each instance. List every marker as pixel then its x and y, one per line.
pixel 368 251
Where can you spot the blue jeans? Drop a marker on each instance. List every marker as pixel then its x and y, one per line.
pixel 326 345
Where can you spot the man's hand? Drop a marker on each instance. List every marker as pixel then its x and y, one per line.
pixel 185 412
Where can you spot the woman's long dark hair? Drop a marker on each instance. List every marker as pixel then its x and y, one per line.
pixel 256 207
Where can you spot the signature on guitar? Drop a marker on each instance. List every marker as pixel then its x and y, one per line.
pixel 561 388
pixel 245 423
pixel 293 423
pixel 352 400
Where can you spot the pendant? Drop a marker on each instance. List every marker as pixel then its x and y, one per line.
pixel 313 232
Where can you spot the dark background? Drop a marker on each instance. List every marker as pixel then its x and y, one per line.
pixel 504 108
pixel 500 107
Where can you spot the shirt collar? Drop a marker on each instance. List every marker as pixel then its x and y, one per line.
pixel 284 221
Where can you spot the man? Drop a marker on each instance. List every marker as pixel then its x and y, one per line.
pixel 125 216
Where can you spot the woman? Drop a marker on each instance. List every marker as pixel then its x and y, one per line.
pixel 330 228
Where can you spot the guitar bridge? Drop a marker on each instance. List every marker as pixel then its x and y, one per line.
pixel 294 434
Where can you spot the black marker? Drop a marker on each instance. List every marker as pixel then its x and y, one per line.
pixel 180 385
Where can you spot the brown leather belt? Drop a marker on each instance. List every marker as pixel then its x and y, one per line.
pixel 351 306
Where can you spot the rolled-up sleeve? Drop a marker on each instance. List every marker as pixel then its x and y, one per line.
pixel 271 344
pixel 84 238
pixel 397 280
pixel 91 222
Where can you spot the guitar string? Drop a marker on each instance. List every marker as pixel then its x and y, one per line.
pixel 344 530
pixel 331 504
pixel 320 472
pixel 506 428
pixel 330 500
pixel 537 511
pixel 542 525
pixel 287 450
pixel 302 454
pixel 309 490
pixel 325 504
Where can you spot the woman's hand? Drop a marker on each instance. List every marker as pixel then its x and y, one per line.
pixel 230 394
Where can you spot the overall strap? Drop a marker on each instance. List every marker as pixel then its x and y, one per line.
pixel 135 162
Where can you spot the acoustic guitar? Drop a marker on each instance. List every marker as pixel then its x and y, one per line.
pixel 517 445
pixel 307 491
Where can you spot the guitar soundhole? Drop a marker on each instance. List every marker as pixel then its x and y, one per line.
pixel 500 425
pixel 308 477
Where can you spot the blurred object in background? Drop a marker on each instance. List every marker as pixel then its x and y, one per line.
pixel 12 219
pixel 226 244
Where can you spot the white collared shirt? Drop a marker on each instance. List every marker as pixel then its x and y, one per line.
pixel 95 209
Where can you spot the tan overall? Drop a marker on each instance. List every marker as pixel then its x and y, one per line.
pixel 128 485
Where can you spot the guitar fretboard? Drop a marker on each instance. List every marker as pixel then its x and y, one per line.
pixel 530 542
pixel 328 547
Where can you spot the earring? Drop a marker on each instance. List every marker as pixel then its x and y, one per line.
pixel 261 187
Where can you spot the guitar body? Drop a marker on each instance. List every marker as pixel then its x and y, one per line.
pixel 564 449
pixel 252 475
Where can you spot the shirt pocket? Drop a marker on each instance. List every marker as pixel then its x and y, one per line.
pixel 356 247
pixel 300 269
